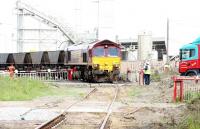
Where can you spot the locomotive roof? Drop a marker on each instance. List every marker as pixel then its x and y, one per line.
pixel 85 46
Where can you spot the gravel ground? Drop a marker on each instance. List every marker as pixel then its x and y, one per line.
pixel 149 107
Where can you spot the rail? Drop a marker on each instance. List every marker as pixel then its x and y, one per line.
pixel 109 110
pixel 60 118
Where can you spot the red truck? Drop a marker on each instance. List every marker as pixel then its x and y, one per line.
pixel 189 64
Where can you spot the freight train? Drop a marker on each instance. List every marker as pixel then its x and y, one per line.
pixel 97 61
pixel 189 64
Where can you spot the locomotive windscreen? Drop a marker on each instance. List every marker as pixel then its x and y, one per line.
pixel 110 51
pixel 113 51
pixel 99 51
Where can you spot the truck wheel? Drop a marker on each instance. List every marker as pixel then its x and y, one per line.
pixel 191 74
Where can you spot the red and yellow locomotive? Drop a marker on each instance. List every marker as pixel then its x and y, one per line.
pixel 99 61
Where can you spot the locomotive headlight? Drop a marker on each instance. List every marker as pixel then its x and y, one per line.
pixel 95 65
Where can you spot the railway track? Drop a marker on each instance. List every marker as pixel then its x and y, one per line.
pixel 86 84
pixel 61 119
pixel 109 110
pixel 58 119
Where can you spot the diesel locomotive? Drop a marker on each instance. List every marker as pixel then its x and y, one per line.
pixel 98 61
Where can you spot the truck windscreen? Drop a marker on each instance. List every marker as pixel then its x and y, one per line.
pixel 186 54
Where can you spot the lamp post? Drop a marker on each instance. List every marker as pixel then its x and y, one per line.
pixel 167 42
pixel 98 14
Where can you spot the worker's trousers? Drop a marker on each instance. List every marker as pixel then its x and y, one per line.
pixel 146 79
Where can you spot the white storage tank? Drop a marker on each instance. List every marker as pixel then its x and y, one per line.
pixel 154 55
pixel 144 45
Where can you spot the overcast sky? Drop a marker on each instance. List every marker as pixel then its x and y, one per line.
pixel 125 18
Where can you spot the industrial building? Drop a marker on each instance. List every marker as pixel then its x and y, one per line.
pixel 131 46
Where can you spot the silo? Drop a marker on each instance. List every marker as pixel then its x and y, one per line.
pixel 144 45
pixel 154 55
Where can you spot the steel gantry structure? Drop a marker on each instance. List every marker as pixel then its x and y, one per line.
pixel 26 10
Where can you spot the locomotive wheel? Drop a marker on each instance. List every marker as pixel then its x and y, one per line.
pixel 90 77
pixel 95 78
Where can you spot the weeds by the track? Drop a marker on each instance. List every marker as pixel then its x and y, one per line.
pixel 26 89
pixel 192 116
pixel 134 91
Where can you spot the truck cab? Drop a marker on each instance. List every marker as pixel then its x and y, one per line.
pixel 189 64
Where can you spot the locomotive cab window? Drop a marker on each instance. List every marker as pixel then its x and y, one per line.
pixel 84 57
pixel 113 51
pixel 99 51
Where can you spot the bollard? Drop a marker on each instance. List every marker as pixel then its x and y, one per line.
pixel 141 77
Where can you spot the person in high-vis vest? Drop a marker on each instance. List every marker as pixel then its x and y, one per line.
pixel 147 73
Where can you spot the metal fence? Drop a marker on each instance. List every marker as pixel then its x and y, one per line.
pixel 186 88
pixel 46 76
pixel 191 89
pixel 4 74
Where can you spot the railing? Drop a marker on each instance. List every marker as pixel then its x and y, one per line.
pixel 185 88
pixel 46 76
pixel 4 74
pixel 192 89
